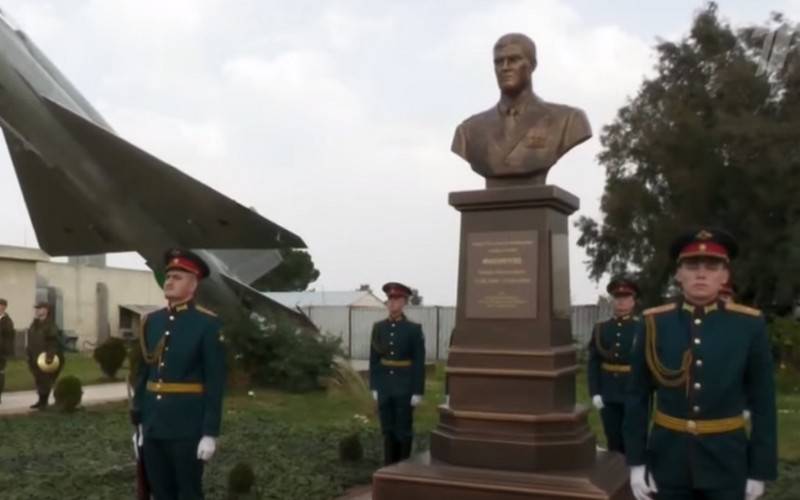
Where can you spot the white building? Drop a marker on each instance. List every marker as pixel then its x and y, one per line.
pixel 86 299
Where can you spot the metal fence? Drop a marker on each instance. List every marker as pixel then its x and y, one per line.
pixel 353 325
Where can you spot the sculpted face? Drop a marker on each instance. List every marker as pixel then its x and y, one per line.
pixel 512 69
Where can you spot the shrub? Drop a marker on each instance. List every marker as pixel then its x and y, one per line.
pixel 110 355
pixel 68 393
pixel 240 480
pixel 276 353
pixel 350 448
pixel 784 334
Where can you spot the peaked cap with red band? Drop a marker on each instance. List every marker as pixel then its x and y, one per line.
pixel 704 242
pixel 394 289
pixel 622 285
pixel 185 260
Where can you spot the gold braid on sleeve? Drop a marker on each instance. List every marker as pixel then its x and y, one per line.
pixel 665 376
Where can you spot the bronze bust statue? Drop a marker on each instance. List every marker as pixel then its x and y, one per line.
pixel 519 139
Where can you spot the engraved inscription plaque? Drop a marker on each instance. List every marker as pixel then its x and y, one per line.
pixel 501 274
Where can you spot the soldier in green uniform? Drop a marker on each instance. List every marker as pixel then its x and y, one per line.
pixel 703 359
pixel 177 403
pixel 397 373
pixel 6 342
pixel 43 337
pixel 609 360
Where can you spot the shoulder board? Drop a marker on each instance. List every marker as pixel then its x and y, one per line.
pixel 750 311
pixel 205 311
pixel 659 309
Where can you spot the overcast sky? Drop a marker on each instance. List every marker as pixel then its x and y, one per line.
pixel 334 119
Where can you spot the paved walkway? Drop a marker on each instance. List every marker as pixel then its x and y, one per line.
pixel 17 402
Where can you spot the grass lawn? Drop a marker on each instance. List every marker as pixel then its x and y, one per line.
pixel 19 378
pixel 291 440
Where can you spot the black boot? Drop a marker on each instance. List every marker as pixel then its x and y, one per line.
pixel 398 450
pixel 42 403
pixel 389 450
pixel 405 449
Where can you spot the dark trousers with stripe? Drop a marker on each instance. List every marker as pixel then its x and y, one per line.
pixel 173 469
pixel 612 415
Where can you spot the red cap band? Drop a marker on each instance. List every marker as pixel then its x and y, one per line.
pixel 184 264
pixel 704 249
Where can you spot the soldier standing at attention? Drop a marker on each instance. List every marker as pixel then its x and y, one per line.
pixel 45 353
pixel 609 360
pixel 397 373
pixel 703 359
pixel 177 403
pixel 6 342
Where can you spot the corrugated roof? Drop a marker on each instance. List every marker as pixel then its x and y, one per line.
pixel 309 298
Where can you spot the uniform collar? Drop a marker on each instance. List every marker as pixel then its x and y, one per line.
pixel 402 317
pixel 700 310
pixel 182 307
pixel 625 317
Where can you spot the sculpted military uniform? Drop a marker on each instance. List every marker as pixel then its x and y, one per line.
pixel 397 374
pixel 43 337
pixel 6 346
pixel 702 363
pixel 178 395
pixel 527 137
pixel 609 372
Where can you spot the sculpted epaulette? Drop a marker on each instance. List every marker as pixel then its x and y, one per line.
pixel 750 311
pixel 205 311
pixel 659 309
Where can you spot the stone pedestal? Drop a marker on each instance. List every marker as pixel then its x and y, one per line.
pixel 512 429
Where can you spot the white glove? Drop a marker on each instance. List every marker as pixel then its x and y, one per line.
pixel 641 490
pixel 206 448
pixel 597 401
pixel 135 446
pixel 746 414
pixel 416 399
pixel 754 489
pixel 137 439
pixel 375 395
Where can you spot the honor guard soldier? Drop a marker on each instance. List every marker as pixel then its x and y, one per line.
pixel 397 373
pixel 45 353
pixel 6 342
pixel 704 359
pixel 609 360
pixel 177 403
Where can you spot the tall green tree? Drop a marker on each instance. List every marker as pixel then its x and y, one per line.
pixel 711 139
pixel 293 274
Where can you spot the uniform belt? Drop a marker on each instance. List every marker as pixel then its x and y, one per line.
pixel 396 363
pixel 707 426
pixel 611 367
pixel 175 387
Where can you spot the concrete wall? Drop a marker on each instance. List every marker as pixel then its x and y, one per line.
pixel 18 287
pixel 79 289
